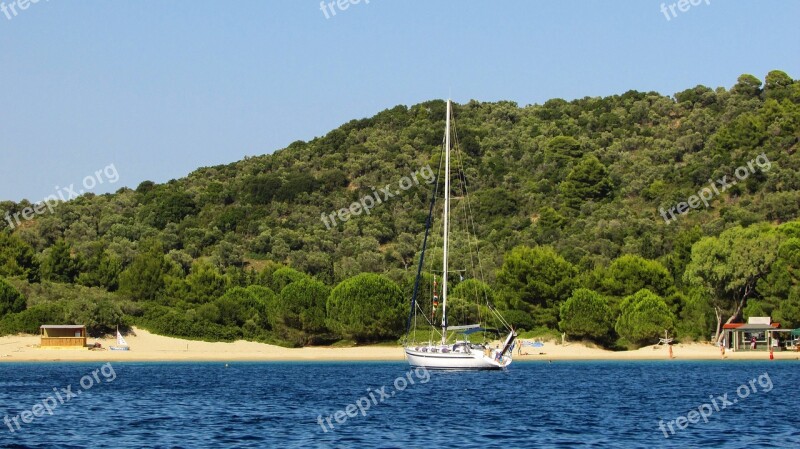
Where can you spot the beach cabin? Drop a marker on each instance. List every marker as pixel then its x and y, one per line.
pixel 739 336
pixel 63 336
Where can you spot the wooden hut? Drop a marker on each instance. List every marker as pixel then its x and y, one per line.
pixel 63 336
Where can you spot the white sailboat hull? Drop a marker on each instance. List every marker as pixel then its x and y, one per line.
pixel 472 360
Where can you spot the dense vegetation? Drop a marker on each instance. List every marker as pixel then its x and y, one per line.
pixel 572 209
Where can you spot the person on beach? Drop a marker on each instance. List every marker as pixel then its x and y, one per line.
pixel 753 342
pixel 519 348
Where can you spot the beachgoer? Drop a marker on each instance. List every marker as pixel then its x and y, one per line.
pixel 753 342
pixel 519 349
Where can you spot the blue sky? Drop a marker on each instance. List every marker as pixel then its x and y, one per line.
pixel 160 88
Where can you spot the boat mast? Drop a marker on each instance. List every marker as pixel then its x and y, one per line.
pixel 446 223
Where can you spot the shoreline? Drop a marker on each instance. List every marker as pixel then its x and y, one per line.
pixel 148 347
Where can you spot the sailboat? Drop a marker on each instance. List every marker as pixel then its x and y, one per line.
pixel 439 352
pixel 122 345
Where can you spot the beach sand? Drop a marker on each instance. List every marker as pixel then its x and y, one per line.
pixel 146 346
pixel 689 351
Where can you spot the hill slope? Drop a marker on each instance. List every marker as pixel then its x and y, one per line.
pixel 595 179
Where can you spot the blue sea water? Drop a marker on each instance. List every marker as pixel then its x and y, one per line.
pixel 535 404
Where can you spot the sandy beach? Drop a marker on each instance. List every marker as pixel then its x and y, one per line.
pixel 146 346
pixel 691 351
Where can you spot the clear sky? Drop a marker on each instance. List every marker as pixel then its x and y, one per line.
pixel 160 88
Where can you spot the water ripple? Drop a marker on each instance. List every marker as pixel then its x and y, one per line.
pixel 256 405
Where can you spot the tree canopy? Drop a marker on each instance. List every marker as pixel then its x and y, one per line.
pixel 730 266
pixel 586 315
pixel 366 295
pixel 644 317
pixel 11 301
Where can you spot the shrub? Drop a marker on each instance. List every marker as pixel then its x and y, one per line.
pixel 11 300
pixel 367 307
pixel 586 315
pixel 645 316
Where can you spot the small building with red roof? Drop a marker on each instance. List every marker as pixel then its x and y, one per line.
pixel 758 334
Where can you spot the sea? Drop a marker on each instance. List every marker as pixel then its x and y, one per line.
pixel 649 404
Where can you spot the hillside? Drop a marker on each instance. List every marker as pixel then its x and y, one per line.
pixel 577 203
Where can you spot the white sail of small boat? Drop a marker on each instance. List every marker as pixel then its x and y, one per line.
pixel 461 354
pixel 122 345
pixel 121 340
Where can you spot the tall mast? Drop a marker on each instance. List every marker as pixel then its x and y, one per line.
pixel 446 222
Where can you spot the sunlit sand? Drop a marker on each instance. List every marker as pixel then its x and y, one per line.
pixel 146 346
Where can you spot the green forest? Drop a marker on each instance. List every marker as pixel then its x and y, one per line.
pixel 609 219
